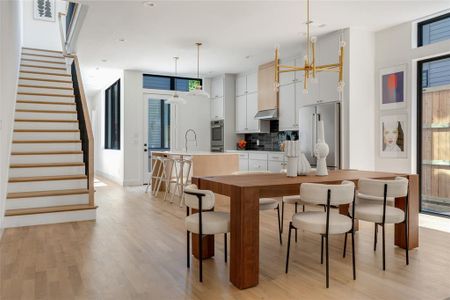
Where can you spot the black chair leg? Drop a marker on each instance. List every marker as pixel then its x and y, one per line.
pixel 353 254
pixel 279 224
pixel 296 210
pixel 375 237
pixel 327 264
pixel 406 242
pixel 321 249
pixel 345 245
pixel 288 246
pixel 200 257
pixel 225 241
pixel 384 248
pixel 188 254
pixel 282 215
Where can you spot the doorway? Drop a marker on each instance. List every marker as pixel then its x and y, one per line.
pixel 433 128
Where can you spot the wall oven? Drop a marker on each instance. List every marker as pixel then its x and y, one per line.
pixel 217 136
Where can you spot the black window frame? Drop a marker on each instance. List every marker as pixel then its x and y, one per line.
pixel 426 22
pixel 172 80
pixel 112 134
pixel 163 129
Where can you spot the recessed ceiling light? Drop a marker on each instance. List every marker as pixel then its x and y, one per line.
pixel 149 3
pixel 321 25
pixel 97 68
pixel 122 40
pixel 247 57
pixel 104 60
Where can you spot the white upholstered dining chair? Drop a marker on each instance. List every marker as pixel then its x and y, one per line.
pixel 203 222
pixel 375 203
pixel 325 223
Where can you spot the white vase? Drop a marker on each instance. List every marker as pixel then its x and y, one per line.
pixel 321 151
pixel 303 166
pixel 292 166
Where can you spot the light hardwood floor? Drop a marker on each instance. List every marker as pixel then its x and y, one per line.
pixel 137 250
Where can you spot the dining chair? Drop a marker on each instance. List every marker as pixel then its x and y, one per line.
pixel 325 223
pixel 203 222
pixel 267 203
pixel 375 203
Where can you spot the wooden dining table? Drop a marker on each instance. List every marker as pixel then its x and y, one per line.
pixel 244 192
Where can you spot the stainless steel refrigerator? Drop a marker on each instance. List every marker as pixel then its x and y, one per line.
pixel 308 118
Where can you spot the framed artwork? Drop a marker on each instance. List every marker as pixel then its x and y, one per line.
pixel 393 87
pixel 44 10
pixel 394 136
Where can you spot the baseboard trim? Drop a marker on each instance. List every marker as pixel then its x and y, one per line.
pixel 109 177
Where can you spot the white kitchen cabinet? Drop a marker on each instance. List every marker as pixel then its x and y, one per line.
pixel 275 166
pixel 312 97
pixel 287 108
pixel 328 53
pixel 241 113
pixel 243 164
pixel 257 165
pixel 217 109
pixel 252 83
pixel 241 85
pixel 287 78
pixel 217 88
pixel 252 109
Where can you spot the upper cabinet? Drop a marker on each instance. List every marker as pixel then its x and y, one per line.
pixel 217 87
pixel 328 53
pixel 241 85
pixel 252 83
pixel 217 109
pixel 247 84
pixel 288 108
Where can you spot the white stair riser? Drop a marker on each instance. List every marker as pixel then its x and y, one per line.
pixel 45 158
pixel 39 136
pixel 44 76
pixel 44 91
pixel 45 125
pixel 35 202
pixel 42 69
pixel 42 64
pixel 39 51
pixel 50 171
pixel 50 59
pixel 47 83
pixel 42 147
pixel 37 186
pixel 46 98
pixel 38 106
pixel 50 218
pixel 45 116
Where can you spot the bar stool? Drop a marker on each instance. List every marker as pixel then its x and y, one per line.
pixel 162 175
pixel 156 164
pixel 182 177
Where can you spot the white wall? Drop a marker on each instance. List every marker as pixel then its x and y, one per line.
pixel 11 42
pixel 396 46
pixel 38 33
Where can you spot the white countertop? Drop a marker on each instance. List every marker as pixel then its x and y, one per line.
pixel 193 153
pixel 253 151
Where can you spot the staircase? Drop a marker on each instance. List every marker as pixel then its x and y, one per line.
pixel 49 178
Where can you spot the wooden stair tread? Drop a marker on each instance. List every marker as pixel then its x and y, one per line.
pixel 44 79
pixel 46 178
pixel 47 193
pixel 48 165
pixel 51 209
pixel 47 111
pixel 44 61
pixel 44 50
pixel 45 73
pixel 43 55
pixel 45 87
pixel 46 121
pixel 44 102
pixel 45 141
pixel 47 153
pixel 42 94
pixel 46 130
pixel 42 67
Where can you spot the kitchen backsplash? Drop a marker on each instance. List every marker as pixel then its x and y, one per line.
pixel 268 141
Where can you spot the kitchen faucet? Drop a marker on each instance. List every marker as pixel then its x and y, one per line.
pixel 186 138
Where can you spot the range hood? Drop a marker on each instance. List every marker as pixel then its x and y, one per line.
pixel 268 114
pixel 267 96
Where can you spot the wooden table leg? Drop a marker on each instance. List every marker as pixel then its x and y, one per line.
pixel 244 254
pixel 413 215
pixel 208 241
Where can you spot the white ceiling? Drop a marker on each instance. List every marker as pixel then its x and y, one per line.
pixel 237 35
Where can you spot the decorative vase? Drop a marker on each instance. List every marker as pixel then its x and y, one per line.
pixel 321 151
pixel 291 151
pixel 292 166
pixel 303 166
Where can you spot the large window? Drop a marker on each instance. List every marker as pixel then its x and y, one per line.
pixel 170 83
pixel 158 124
pixel 112 117
pixel 433 30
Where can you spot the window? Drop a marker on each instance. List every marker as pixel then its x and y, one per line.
pixel 169 83
pixel 158 124
pixel 433 30
pixel 112 117
pixel 436 73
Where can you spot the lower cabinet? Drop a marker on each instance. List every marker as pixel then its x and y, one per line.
pixel 243 164
pixel 261 161
pixel 257 165
pixel 275 166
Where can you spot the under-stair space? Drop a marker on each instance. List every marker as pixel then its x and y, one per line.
pixel 48 176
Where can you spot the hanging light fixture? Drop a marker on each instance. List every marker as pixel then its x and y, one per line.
pixel 198 91
pixel 176 99
pixel 310 67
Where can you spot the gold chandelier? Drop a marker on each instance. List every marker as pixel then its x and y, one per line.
pixel 310 68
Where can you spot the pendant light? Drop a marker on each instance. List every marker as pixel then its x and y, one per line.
pixel 198 91
pixel 176 99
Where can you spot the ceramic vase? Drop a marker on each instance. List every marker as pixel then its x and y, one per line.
pixel 321 151
pixel 303 166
